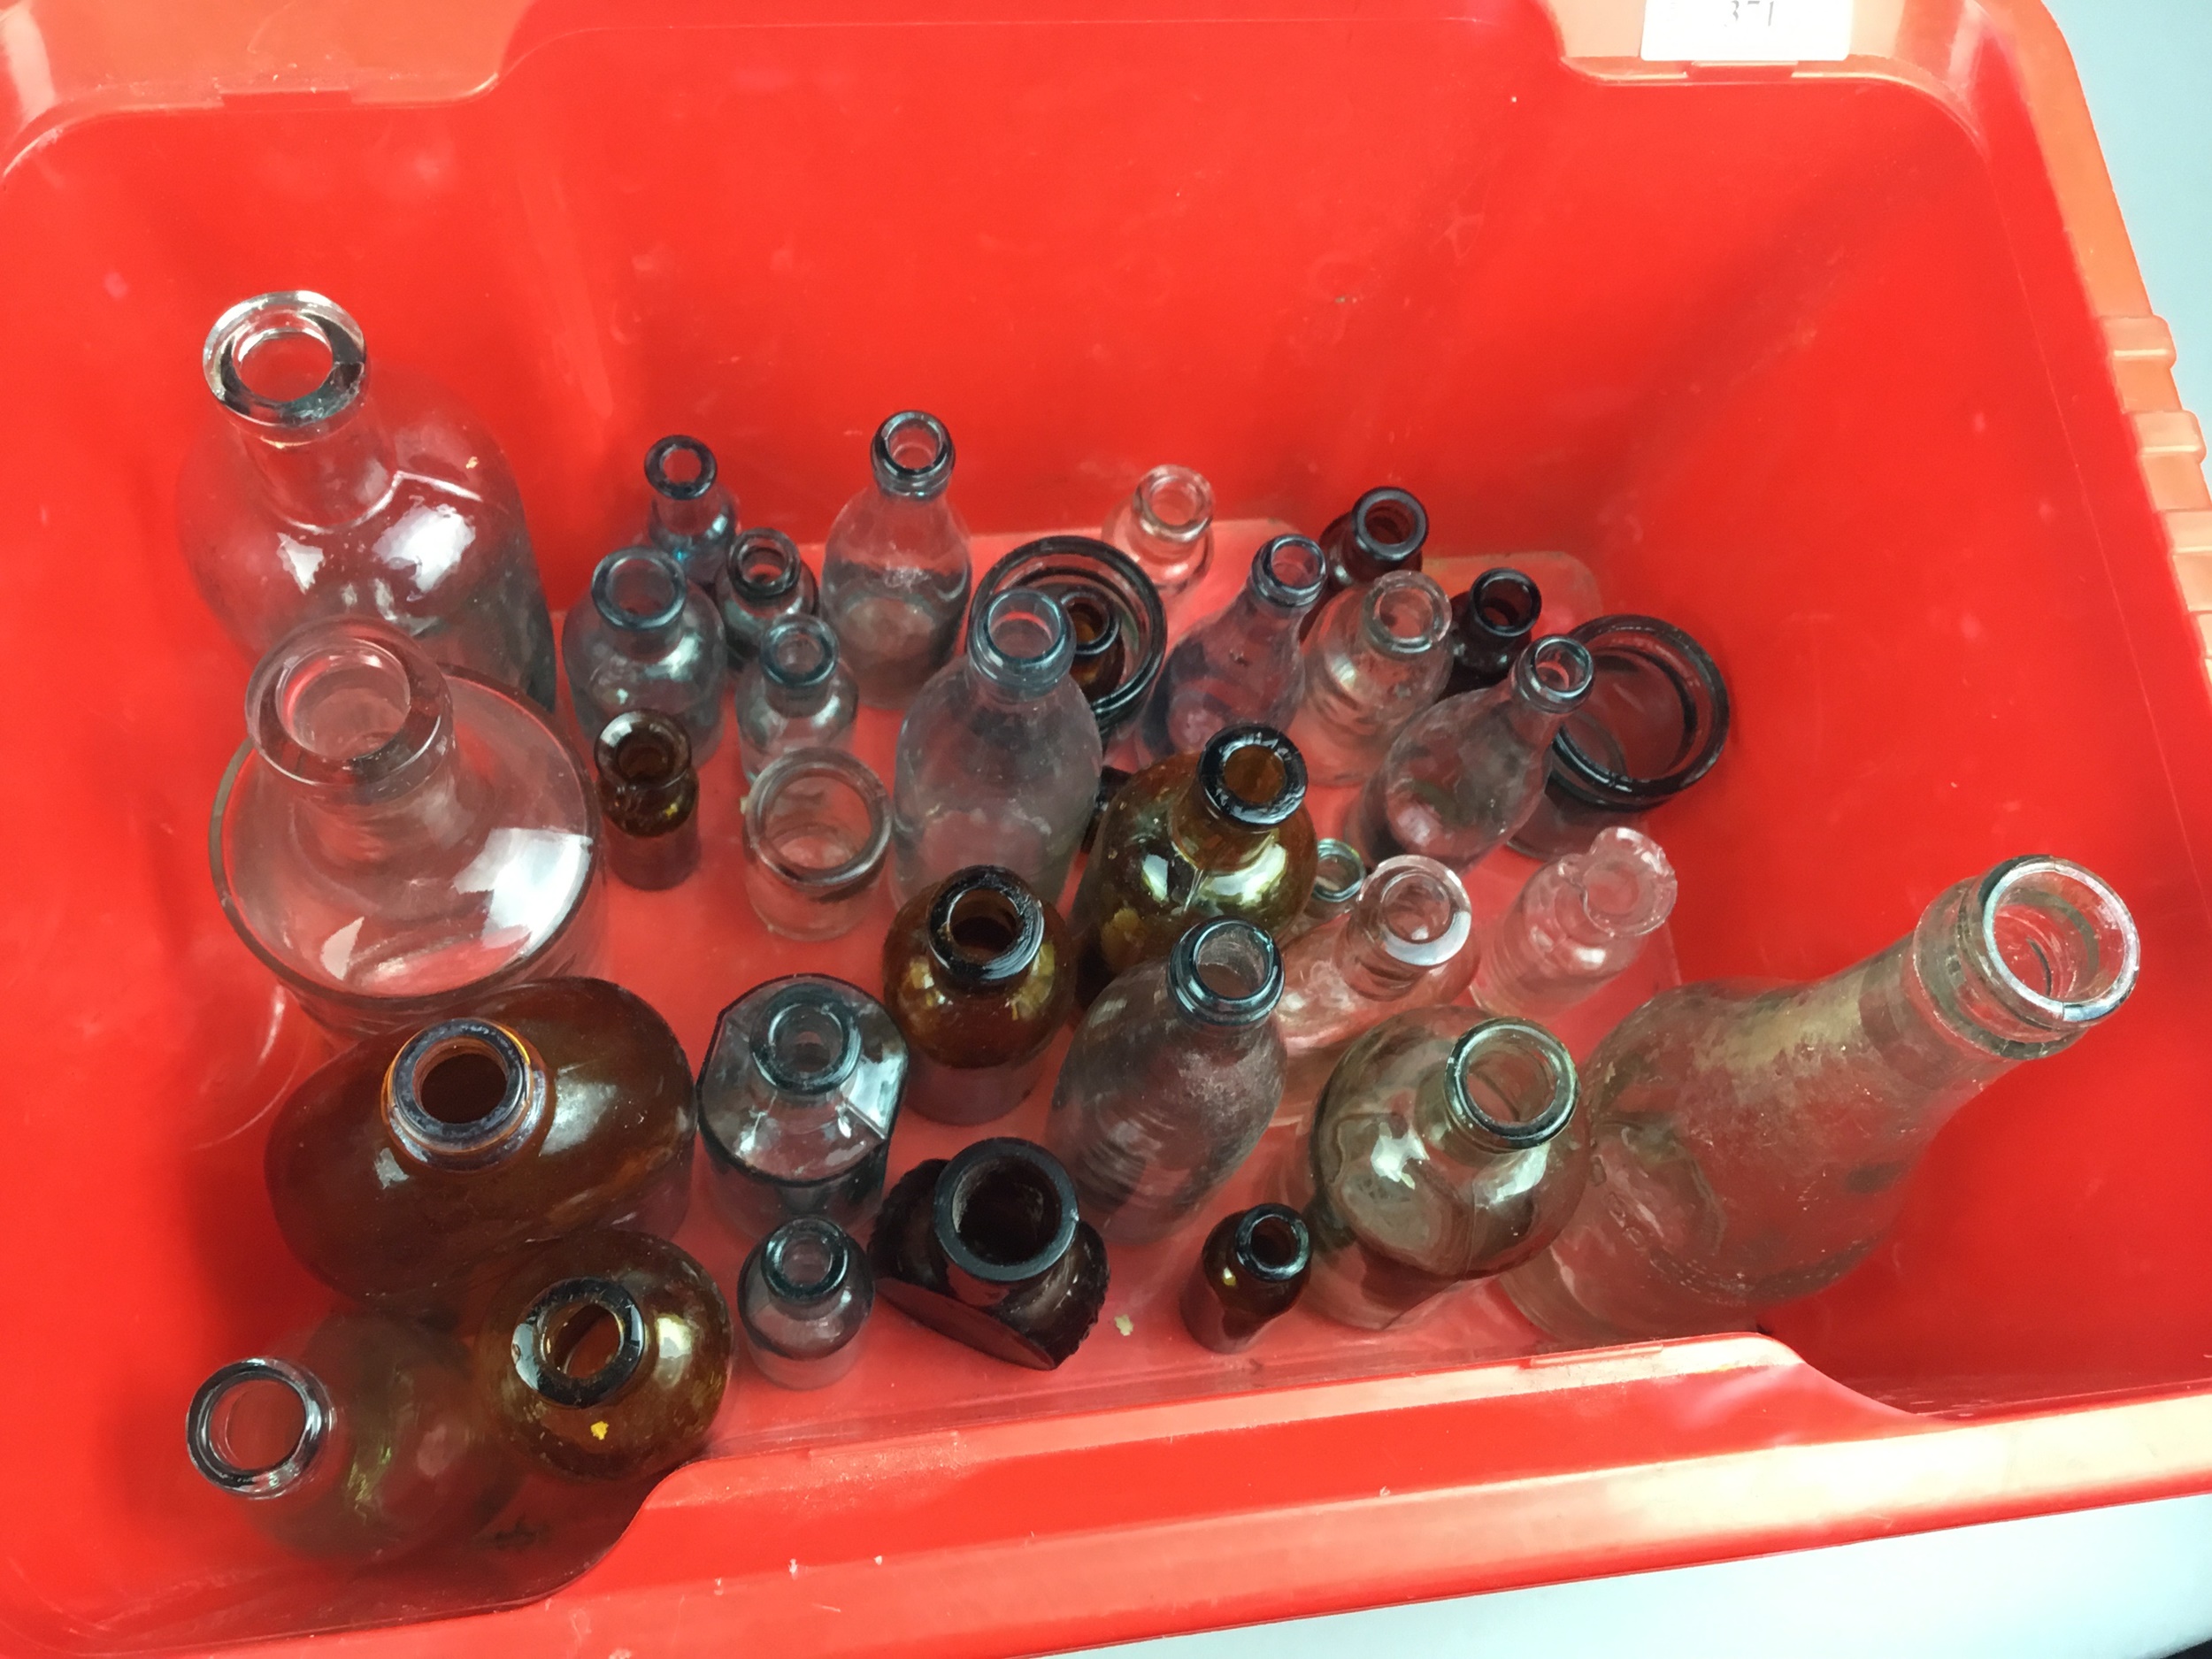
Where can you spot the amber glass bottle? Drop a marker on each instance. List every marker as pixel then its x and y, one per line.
pixel 1249 1273
pixel 649 793
pixel 403 1167
pixel 1221 833
pixel 977 973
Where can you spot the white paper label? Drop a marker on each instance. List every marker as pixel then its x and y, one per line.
pixel 1747 31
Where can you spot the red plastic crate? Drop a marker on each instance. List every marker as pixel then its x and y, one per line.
pixel 1848 370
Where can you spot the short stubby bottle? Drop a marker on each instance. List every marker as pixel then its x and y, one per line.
pixel 1460 779
pixel 649 793
pixel 1492 624
pixel 1446 1148
pixel 797 1098
pixel 998 760
pixel 1378 657
pixel 796 693
pixel 1386 530
pixel 1753 1143
pixel 803 1297
pixel 1249 1274
pixel 692 518
pixel 1171 1081
pixel 645 639
pixel 392 841
pixel 1166 524
pixel 1222 832
pixel 605 1355
pixel 316 494
pixel 362 1441
pixel 1240 665
pixel 403 1167
pixel 1578 922
pixel 978 973
pixel 818 833
pixel 895 575
pixel 762 582
pixel 1338 873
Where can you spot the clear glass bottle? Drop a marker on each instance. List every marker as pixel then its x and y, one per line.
pixel 979 976
pixel 315 494
pixel 692 518
pixel 603 1357
pixel 647 640
pixel 1166 525
pixel 762 582
pixel 1113 611
pixel 998 758
pixel 1577 923
pixel 1240 664
pixel 1378 657
pixel 803 1297
pixel 796 694
pixel 1386 530
pixel 361 1442
pixel 1171 1081
pixel 1446 1148
pixel 1460 779
pixel 649 793
pixel 817 829
pixel 1249 1274
pixel 1753 1143
pixel 1338 873
pixel 400 1168
pixel 393 841
pixel 895 569
pixel 797 1099
pixel 1492 624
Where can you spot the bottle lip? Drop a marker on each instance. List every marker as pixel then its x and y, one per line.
pixel 657 475
pixel 1390 525
pixel 1022 641
pixel 1064 566
pixel 496 1133
pixel 1628 643
pixel 902 465
pixel 2021 883
pixel 836 767
pixel 1225 948
pixel 1166 484
pixel 808 1042
pixel 1288 573
pixel 1622 862
pixel 1338 873
pixel 1047 1215
pixel 266 317
pixel 1441 886
pixel 1273 1243
pixel 1503 605
pixel 1510 1036
pixel 1413 598
pixel 203 1436
pixel 538 1366
pixel 1224 780
pixel 643 566
pixel 413 692
pixel 1554 676
pixel 958 960
pixel 784 1280
pixel 777 557
pixel 646 734
pixel 799 653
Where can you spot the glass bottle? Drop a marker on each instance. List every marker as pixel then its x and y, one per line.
pixel 362 1441
pixel 763 582
pixel 1222 832
pixel 315 494
pixel 1113 611
pixel 1753 1143
pixel 1338 873
pixel 895 569
pixel 402 1167
pixel 1240 664
pixel 817 828
pixel 988 1247
pixel 605 1355
pixel 1248 1275
pixel 1446 1148
pixel 1109 779
pixel 794 693
pixel 692 518
pixel 648 640
pixel 979 974
pixel 1460 779
pixel 797 1099
pixel 1385 531
pixel 1167 525
pixel 649 795
pixel 1171 1081
pixel 803 1297
pixel 393 841
pixel 1492 624
pixel 1577 923
pixel 999 756
pixel 1378 657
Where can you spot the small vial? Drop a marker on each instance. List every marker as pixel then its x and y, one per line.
pixel 1492 624
pixel 804 1298
pixel 1580 921
pixel 693 517
pixel 649 793
pixel 1167 525
pixel 818 830
pixel 794 693
pixel 763 582
pixel 1248 1273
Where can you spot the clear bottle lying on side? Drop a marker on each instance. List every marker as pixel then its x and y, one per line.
pixel 762 582
pixel 693 517
pixel 1249 1274
pixel 1578 922
pixel 796 694
pixel 803 1297
pixel 649 793
pixel 1378 657
pixel 645 639
pixel 1242 664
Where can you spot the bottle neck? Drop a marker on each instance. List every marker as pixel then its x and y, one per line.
pixel 1505 1087
pixel 1224 979
pixel 324 476
pixel 292 371
pixel 1411 918
pixel 463 1096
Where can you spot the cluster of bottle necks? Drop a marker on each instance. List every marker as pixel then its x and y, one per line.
pixel 415 848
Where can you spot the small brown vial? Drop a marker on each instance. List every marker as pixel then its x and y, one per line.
pixel 1385 531
pixel 1492 624
pixel 1250 1271
pixel 650 796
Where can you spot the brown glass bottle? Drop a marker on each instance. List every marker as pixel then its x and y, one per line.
pixel 605 1355
pixel 1222 833
pixel 1248 1273
pixel 1385 531
pixel 649 793
pixel 403 1167
pixel 979 974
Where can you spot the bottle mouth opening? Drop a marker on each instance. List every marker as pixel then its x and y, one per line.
pixel 2062 943
pixel 1095 624
pixel 581 1341
pixel 1338 873
pixel 799 653
pixel 462 1093
pixel 1287 572
pixel 680 468
pixel 1627 886
pixel 912 455
pixel 1004 1211
pixel 1405 614
pixel 1554 674
pixel 1175 504
pixel 1226 972
pixel 986 926
pixel 1252 775
pixel 1655 722
pixel 1271 1243
pixel 807 1259
pixel 764 565
pixel 639 589
pixel 643 750
pixel 1024 640
pixel 256 1425
pixel 1504 605
pixel 345 702
pixel 1116 668
pixel 1390 526
pixel 285 361
pixel 1511 1082
pixel 809 1042
pixel 819 820
pixel 1421 912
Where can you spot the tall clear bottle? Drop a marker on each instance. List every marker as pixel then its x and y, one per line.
pixel 1166 524
pixel 1379 656
pixel 1578 922
pixel 894 571
pixel 998 758
pixel 1240 664
pixel 648 638
pixel 692 518
pixel 316 494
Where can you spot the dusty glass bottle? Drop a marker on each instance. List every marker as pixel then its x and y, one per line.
pixel 1242 664
pixel 998 758
pixel 763 582
pixel 1166 524
pixel 1338 873
pixel 818 831
pixel 1378 657
pixel 392 841
pixel 895 569
pixel 649 793
pixel 1222 832
pixel 1446 1146
pixel 605 1355
pixel 362 1441
pixel 1460 779
pixel 1753 1144
pixel 405 1165
pixel 1249 1274
pixel 316 494
pixel 1492 624
pixel 647 640
pixel 1577 923
pixel 794 693
pixel 803 1297
pixel 693 517
pixel 1386 530
pixel 797 1099
pixel 1171 1081
pixel 979 974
